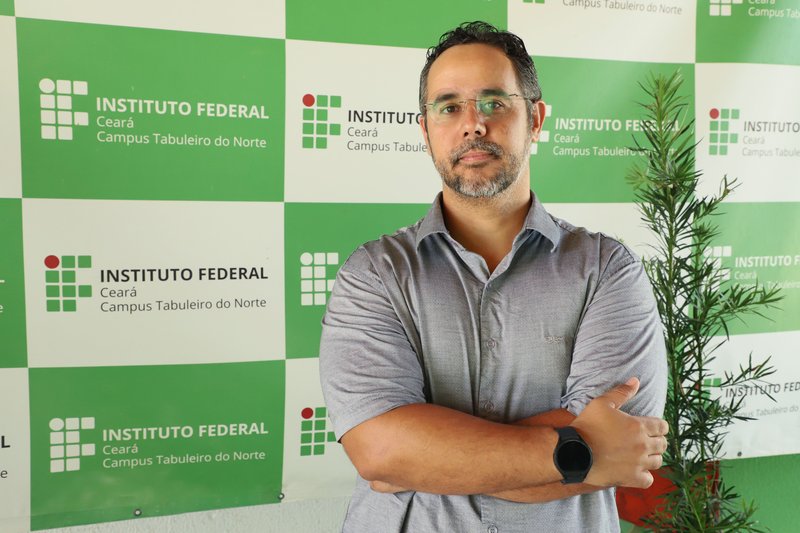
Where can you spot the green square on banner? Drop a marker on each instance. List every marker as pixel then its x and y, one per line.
pixel 724 125
pixel 319 424
pixel 714 137
pixel 735 114
pixel 754 250
pixel 321 142
pixel 412 23
pixel 51 276
pixel 723 150
pixel 712 149
pixel 85 291
pixel 308 128
pixel 7 7
pixel 335 129
pixel 68 276
pixel 305 450
pixel 733 138
pixel 70 306
pixel 101 396
pixel 52 291
pixel 319 437
pixel 305 438
pixel 68 261
pixel 13 347
pixel 322 114
pixel 725 114
pixel 321 412
pixel 584 151
pixel 746 35
pixel 319 449
pixel 306 425
pixel 322 129
pixel 331 436
pixel 322 101
pixel 53 306
pixel 714 126
pixel 308 142
pixel 308 114
pixel 336 101
pixel 84 261
pixel 330 231
pixel 69 291
pixel 176 121
pixel 723 138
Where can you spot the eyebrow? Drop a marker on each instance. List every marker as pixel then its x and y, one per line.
pixel 484 92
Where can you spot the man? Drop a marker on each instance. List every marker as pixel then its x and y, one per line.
pixel 455 351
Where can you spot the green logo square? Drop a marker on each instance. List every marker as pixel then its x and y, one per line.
pixel 84 261
pixel 322 101
pixel 218 116
pixel 322 114
pixel 85 291
pixel 69 291
pixel 308 142
pixel 69 306
pixel 336 101
pixel 230 452
pixel 308 114
pixel 321 142
pixel 52 291
pixel 53 306
pixel 51 276
pixel 68 261
pixel 68 276
pixel 308 128
pixel 412 23
pixel 335 129
pixel 322 129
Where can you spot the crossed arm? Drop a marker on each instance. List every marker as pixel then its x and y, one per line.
pixel 430 448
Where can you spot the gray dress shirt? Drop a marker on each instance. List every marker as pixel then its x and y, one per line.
pixel 415 317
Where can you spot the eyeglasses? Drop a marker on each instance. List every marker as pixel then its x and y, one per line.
pixel 493 106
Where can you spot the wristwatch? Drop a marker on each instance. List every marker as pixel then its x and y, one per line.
pixel 572 456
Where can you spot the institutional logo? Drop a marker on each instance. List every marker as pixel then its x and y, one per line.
pixel 57 115
pixel 316 282
pixel 723 125
pixel 314 433
pixel 717 254
pixel 721 8
pixel 709 384
pixel 62 289
pixel 66 445
pixel 316 120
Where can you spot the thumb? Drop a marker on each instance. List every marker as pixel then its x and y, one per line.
pixel 620 394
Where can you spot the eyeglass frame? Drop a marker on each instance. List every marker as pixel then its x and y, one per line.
pixel 487 94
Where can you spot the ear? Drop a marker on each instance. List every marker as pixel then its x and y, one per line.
pixel 538 114
pixel 423 125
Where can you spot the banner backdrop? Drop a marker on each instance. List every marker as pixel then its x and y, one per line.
pixel 180 182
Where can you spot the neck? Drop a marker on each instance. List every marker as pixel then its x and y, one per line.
pixel 487 226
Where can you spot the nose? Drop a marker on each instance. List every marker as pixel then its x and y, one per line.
pixel 473 123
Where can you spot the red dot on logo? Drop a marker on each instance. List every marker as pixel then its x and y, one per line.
pixel 308 100
pixel 714 113
pixel 307 413
pixel 51 261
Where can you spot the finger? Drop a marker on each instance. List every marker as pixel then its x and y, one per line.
pixel 656 445
pixel 646 479
pixel 655 427
pixel 620 394
pixel 654 462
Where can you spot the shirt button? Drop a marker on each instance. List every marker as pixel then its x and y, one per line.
pixel 488 407
pixel 492 529
pixel 491 343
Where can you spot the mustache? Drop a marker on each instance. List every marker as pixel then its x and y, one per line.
pixel 475 144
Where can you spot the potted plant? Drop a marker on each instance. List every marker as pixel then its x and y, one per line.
pixel 696 304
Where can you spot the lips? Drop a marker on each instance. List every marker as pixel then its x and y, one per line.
pixel 476 156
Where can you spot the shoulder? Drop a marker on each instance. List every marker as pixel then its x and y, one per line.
pixel 374 257
pixel 610 253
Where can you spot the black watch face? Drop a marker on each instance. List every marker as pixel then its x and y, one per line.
pixel 574 457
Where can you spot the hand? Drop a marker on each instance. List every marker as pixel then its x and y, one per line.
pixel 624 447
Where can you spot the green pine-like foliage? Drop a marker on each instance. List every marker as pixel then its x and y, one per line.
pixel 696 306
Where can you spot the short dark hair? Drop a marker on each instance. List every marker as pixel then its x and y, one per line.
pixel 479 32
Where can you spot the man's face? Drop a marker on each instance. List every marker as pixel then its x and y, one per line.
pixel 478 154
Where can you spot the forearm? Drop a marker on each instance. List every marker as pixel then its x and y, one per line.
pixel 429 448
pixel 551 491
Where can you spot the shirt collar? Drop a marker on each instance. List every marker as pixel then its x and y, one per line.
pixel 537 219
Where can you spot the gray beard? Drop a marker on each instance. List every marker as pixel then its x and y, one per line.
pixel 489 188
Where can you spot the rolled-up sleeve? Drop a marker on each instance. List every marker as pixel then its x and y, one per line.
pixel 619 337
pixel 367 364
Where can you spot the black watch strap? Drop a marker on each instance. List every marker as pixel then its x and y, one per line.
pixel 572 456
